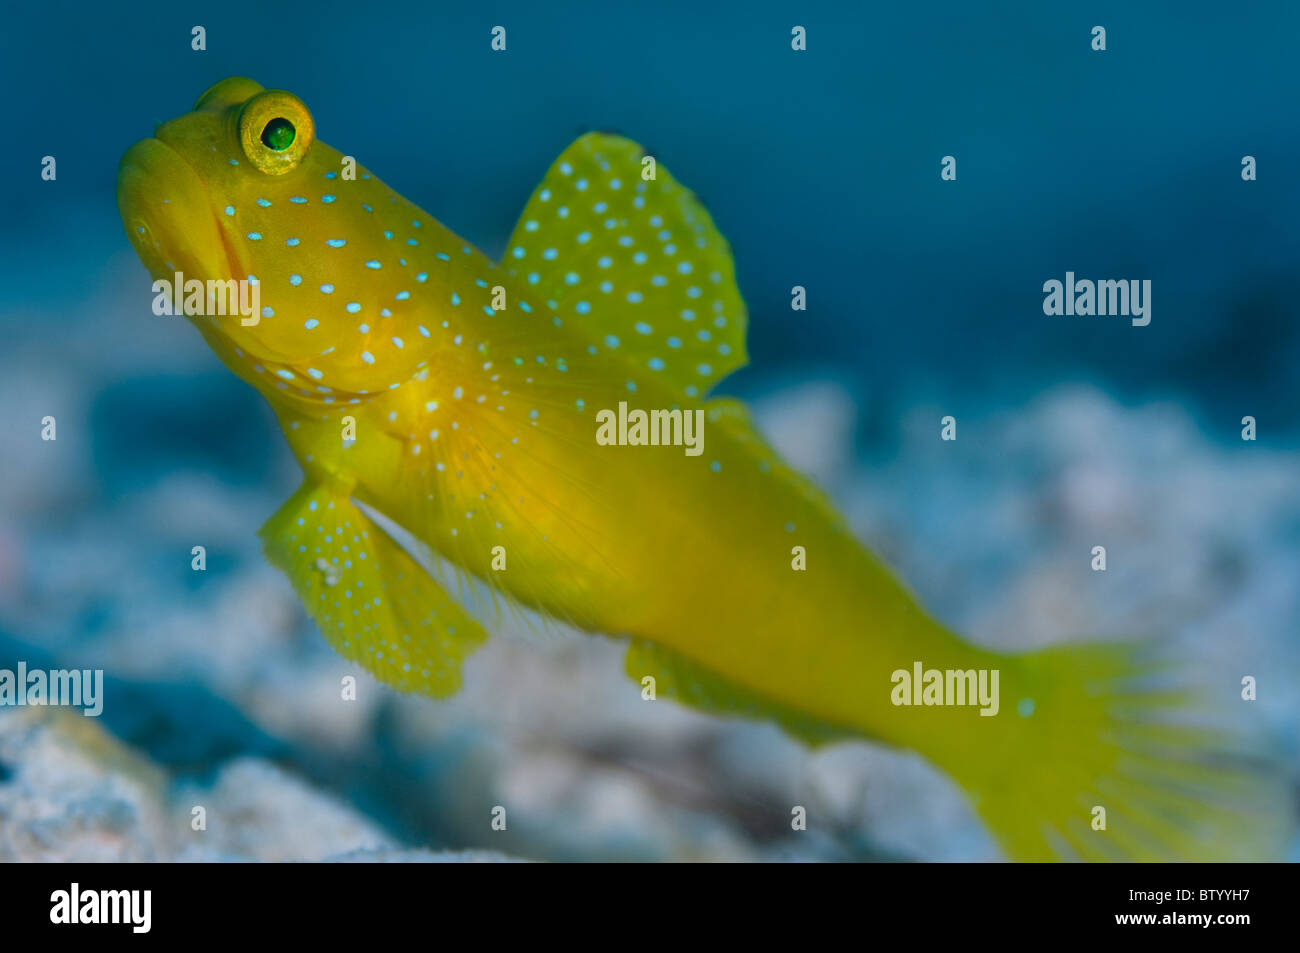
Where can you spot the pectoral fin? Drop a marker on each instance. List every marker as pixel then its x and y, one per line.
pixel 374 603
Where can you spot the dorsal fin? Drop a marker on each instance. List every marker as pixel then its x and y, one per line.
pixel 733 416
pixel 637 264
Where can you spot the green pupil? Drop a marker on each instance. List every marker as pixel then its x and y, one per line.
pixel 278 134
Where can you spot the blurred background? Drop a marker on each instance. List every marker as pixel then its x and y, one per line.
pixel 924 299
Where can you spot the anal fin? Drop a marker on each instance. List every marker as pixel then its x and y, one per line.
pixel 690 683
pixel 374 604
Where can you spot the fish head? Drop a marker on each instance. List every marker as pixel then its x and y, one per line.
pixel 240 190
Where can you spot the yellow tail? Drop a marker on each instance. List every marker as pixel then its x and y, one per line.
pixel 1089 761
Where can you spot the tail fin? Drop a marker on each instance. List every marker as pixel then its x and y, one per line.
pixel 1087 732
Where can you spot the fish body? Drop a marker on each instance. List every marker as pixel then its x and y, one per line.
pixel 459 398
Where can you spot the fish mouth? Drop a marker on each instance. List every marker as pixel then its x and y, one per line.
pixel 168 215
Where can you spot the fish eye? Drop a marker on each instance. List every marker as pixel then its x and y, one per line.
pixel 278 134
pixel 275 131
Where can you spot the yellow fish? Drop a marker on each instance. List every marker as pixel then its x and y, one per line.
pixel 543 424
